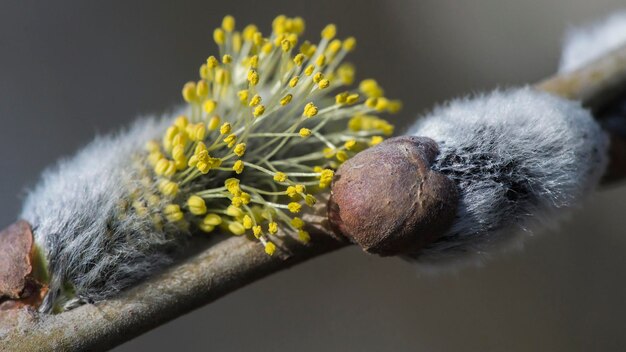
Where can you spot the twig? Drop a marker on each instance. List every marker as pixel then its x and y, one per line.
pixel 230 264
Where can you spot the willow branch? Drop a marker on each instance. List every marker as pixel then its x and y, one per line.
pixel 231 263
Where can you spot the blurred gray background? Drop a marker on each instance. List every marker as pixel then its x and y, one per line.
pixel 71 69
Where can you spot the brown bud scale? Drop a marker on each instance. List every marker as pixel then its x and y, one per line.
pixel 388 200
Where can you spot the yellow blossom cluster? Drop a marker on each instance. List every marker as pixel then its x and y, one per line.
pixel 263 132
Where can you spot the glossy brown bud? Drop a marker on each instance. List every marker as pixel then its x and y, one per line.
pixel 389 201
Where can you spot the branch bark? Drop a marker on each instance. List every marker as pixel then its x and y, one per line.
pixel 231 263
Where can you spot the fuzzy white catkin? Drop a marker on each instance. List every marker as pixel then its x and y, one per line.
pixel 519 157
pixel 71 211
pixel 584 44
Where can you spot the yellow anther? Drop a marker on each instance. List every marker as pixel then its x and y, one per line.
pixel 214 123
pixel 226 59
pixel 270 248
pixel 371 102
pixel 248 32
pixel 238 167
pixel 256 100
pixel 219 36
pixel 352 99
pixel 236 228
pixel 310 110
pixel 228 23
pixel 333 47
pixel 285 45
pixel 259 110
pixel 153 147
pixel 279 39
pixel 243 96
pixel 234 211
pixel 181 123
pixel 247 222
pixel 309 70
pixel 294 207
pixel 168 188
pixel 326 178
pixel 286 99
pixel 212 219
pixel 173 213
pixel 257 39
pixel 189 92
pixel 280 177
pixel 304 236
pixel 350 144
pixel 232 185
pixel 230 139
pixel 312 49
pixel 212 62
pixel 293 82
pixel 196 132
pixel 382 104
pixel 346 73
pixel 165 168
pixel 254 61
pixel 291 191
pixel 320 61
pixel 304 132
pixel 225 128
pixel 245 197
pixel 278 23
pixel 318 77
pixel 204 71
pixel 293 39
pixel 310 200
pixel 178 153
pixel 323 84
pixel 257 231
pixel 298 60
pixel 272 227
pixel 196 205
pixel 297 223
pixel 202 89
pixel 154 158
pixel 376 140
pixel 267 48
pixel 237 42
pixel 200 148
pixel 329 152
pixel 395 106
pixel 371 88
pixel 341 98
pixel 342 156
pixel 240 149
pixel 298 25
pixel 222 76
pixel 329 32
pixel 300 188
pixel 206 227
pixel 253 77
pixel 180 139
pixel 349 44
pixel 237 202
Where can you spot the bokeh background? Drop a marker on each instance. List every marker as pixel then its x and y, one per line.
pixel 72 69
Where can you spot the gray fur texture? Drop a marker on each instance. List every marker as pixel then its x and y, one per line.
pixel 586 43
pixel 75 215
pixel 519 157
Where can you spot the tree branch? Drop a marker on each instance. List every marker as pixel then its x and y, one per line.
pixel 231 263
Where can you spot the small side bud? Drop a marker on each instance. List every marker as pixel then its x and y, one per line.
pixel 389 201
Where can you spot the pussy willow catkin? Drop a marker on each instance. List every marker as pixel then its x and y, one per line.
pixel 263 129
